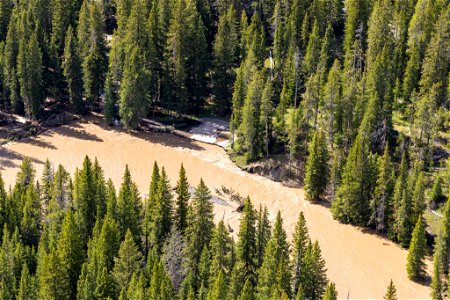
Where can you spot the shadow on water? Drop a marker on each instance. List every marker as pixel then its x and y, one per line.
pixel 161 138
pixel 8 158
pixel 74 130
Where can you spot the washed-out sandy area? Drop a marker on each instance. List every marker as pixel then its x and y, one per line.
pixel 359 262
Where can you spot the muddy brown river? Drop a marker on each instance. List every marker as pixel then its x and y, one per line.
pixel 360 263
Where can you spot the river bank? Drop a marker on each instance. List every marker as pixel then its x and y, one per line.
pixel 359 262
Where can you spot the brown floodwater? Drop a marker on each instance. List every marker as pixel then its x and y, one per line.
pixel 359 262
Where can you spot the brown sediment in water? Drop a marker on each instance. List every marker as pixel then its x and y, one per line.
pixel 360 263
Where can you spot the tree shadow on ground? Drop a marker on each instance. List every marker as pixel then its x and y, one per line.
pixel 38 143
pixel 162 138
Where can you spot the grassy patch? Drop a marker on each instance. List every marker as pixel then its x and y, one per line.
pixel 240 160
pixel 433 220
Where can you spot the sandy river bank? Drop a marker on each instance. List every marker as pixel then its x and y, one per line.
pixel 360 263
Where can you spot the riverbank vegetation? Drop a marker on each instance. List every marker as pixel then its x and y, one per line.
pixel 356 90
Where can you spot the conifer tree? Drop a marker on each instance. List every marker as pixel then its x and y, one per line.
pixel 300 243
pixel 94 55
pixel 200 226
pixel 187 44
pixel 127 261
pixel 249 131
pixel 316 177
pixel 29 71
pixel 353 196
pixel 224 60
pixel 27 285
pixel 415 266
pixel 313 274
pixel 30 224
pixel 71 65
pixel 133 90
pixel 312 51
pixel 129 207
pixel 436 279
pixel 182 201
pixel 85 199
pixel 70 256
pixel 221 252
pixel 436 195
pixel 246 245
pixel 262 234
pixel 247 291
pixel 380 204
pixel 218 290
pixel 330 292
pixel 391 293
pixel 161 212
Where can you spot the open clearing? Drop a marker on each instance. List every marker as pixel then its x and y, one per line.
pixel 360 263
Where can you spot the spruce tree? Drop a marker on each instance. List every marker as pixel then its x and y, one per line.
pixel 316 177
pixel 247 291
pixel 391 293
pixel 129 207
pixel 133 90
pixel 262 234
pixel 246 245
pixel 71 65
pixel 330 292
pixel 29 71
pixel 70 256
pixel 127 261
pixel 182 201
pixel 415 266
pixel 436 278
pixel 27 285
pixel 381 203
pixel 300 244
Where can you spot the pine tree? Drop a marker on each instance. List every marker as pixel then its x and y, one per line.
pixel 249 132
pixel 313 274
pixel 221 251
pixel 246 245
pixel 70 256
pixel 84 199
pixel 71 65
pixel 29 71
pixel 436 195
pixel 436 279
pixel 200 226
pixel 316 177
pixel 391 293
pixel 247 291
pixel 332 104
pixel 300 244
pixel 187 44
pixel 30 224
pixel 94 54
pixel 161 212
pixel 182 201
pixel 224 60
pixel 262 234
pixel 218 290
pixel 129 207
pixel 382 198
pixel 330 292
pixel 415 266
pixel 133 90
pixel 27 285
pixel 110 101
pixel 312 51
pixel 127 261
pixel 353 195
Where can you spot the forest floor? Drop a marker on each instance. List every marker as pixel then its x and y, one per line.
pixel 360 262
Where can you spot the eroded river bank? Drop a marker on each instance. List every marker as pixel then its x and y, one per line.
pixel 360 263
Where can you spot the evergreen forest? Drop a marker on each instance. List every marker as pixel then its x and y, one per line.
pixel 355 93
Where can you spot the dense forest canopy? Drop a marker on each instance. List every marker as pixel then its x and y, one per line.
pixel 356 91
pixel 76 238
